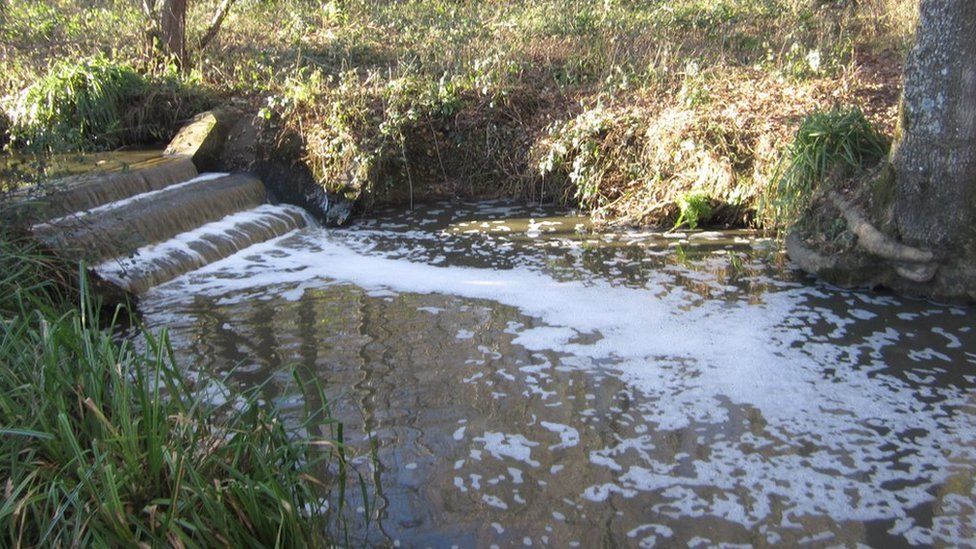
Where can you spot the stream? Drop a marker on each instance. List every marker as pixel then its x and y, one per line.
pixel 528 382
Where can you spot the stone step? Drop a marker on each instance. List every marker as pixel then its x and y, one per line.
pixel 121 227
pixel 84 192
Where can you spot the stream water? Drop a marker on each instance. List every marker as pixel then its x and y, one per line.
pixel 529 383
pixel 20 170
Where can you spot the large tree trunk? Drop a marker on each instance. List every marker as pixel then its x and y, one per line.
pixel 926 203
pixel 172 25
pixel 934 156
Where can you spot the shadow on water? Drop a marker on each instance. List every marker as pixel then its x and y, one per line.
pixel 621 389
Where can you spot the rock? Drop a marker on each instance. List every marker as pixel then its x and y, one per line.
pixel 203 138
pixel 276 156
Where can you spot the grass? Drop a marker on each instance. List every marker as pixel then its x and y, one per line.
pixel 103 444
pixel 74 103
pixel 828 147
pixel 98 104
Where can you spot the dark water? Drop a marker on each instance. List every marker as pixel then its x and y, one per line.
pixel 529 383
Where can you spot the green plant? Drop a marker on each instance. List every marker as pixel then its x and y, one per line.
pixel 695 207
pixel 76 104
pixel 102 444
pixel 99 104
pixel 828 146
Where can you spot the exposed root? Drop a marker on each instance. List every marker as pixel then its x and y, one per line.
pixel 915 264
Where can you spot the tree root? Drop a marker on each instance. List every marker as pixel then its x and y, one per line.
pixel 915 264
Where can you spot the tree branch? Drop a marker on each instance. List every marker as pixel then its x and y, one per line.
pixel 149 9
pixel 218 19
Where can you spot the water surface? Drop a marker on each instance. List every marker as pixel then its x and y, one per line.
pixel 529 383
pixel 20 170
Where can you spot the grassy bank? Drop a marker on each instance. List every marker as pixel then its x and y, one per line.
pixel 627 109
pixel 102 444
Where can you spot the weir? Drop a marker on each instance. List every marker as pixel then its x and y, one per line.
pixel 160 219
pixel 83 192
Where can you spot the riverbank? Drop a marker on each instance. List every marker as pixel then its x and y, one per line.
pixel 640 113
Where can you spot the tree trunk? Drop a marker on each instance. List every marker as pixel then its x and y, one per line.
pixel 172 25
pixel 934 155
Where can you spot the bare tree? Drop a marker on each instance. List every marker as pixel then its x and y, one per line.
pixel 922 238
pixel 218 19
pixel 172 27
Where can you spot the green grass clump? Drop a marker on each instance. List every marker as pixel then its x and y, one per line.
pixel 77 104
pixel 829 146
pixel 97 104
pixel 108 446
pixel 695 207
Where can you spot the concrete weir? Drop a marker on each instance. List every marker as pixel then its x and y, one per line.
pixel 159 219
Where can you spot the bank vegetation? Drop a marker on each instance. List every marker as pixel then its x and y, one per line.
pixel 627 109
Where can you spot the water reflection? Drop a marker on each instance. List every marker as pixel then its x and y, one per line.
pixel 21 170
pixel 540 384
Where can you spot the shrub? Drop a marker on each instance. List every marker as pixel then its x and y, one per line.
pixel 641 165
pixel 828 146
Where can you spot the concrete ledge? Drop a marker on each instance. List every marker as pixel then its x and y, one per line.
pixel 202 139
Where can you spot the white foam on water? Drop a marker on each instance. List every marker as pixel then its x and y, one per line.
pixel 504 445
pixel 692 366
pixel 181 245
pixel 568 436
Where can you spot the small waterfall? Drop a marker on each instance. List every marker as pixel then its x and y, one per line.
pixel 121 227
pixel 146 226
pixel 79 193
pixel 158 263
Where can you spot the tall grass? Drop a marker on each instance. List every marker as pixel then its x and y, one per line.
pixel 829 146
pixel 104 445
pixel 76 103
pixel 97 104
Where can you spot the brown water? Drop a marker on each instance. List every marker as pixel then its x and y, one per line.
pixel 528 383
pixel 20 170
